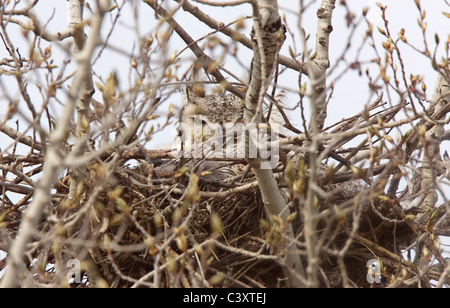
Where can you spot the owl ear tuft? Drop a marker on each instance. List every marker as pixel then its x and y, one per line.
pixel 199 91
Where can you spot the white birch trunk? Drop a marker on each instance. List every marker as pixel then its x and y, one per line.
pixel 54 162
pixel 267 38
pixel 317 68
pixel 433 137
pixel 84 98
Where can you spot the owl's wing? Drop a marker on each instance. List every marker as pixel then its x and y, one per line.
pixel 220 172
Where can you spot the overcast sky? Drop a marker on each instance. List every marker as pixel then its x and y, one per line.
pixel 350 92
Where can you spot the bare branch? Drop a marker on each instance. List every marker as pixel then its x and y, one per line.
pixel 233 34
pixel 268 36
pixel 204 59
pixel 53 164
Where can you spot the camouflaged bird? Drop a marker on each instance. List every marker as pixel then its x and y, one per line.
pixel 209 111
pixel 222 108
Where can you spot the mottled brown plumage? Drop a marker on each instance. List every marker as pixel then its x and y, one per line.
pixel 225 108
pixel 210 111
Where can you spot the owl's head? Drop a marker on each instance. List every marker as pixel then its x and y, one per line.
pixel 223 109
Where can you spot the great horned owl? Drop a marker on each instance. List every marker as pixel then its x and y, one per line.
pixel 206 118
pixel 211 111
pixel 225 108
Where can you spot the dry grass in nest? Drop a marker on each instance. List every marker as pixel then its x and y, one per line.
pixel 139 231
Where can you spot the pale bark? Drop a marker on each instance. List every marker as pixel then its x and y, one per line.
pixel 267 37
pixel 84 99
pixel 316 69
pixel 53 164
pixel 233 34
pixel 431 157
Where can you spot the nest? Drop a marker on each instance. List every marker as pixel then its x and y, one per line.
pixel 138 226
pixel 179 234
pixel 238 214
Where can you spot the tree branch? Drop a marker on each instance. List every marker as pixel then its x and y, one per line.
pixel 206 62
pixel 320 63
pixel 53 163
pixel 84 100
pixel 267 38
pixel 433 137
pixel 233 34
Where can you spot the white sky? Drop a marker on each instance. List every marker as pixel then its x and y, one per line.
pixel 350 92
